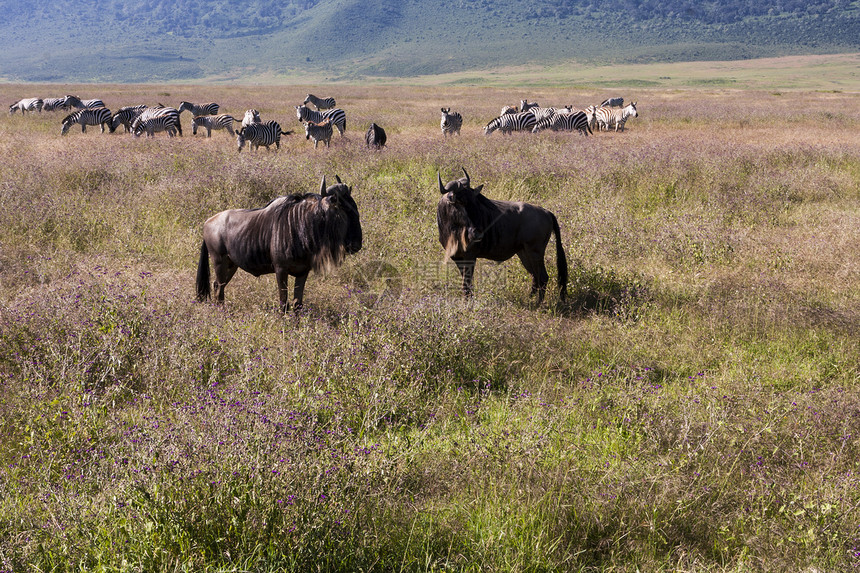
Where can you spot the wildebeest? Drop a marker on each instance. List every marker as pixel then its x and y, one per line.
pixel 375 137
pixel 472 227
pixel 290 236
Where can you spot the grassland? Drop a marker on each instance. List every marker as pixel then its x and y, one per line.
pixel 694 406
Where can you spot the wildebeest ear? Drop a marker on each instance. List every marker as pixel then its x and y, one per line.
pixel 468 179
pixel 337 178
pixel 441 187
pixel 322 186
pixel 477 189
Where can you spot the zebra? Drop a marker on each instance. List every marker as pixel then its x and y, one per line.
pixel 319 132
pixel 545 115
pixel 606 117
pixel 96 116
pixel 451 122
pixel 509 109
pixel 525 105
pixel 257 134
pixel 154 119
pixel 125 117
pixel 320 103
pixel 337 116
pixel 511 122
pixel 575 121
pixel 199 109
pixel 210 122
pixel 53 103
pixel 613 102
pixel 375 137
pixel 74 101
pixel 27 104
pixel 251 116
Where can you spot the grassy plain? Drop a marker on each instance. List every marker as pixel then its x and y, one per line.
pixel 693 407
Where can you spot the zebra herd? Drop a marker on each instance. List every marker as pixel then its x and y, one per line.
pixel 530 116
pixel 319 123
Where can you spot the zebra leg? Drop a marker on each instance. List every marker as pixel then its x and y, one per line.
pixel 83 128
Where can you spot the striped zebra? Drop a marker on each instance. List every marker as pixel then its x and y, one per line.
pixel 196 109
pixel 613 102
pixel 53 103
pixel 76 102
pixel 525 105
pixel 320 103
pixel 155 119
pixel 96 116
pixel 319 132
pixel 574 121
pixel 337 116
pixel 511 122
pixel 257 134
pixel 607 117
pixel 210 122
pixel 251 116
pixel 27 104
pixel 125 117
pixel 451 122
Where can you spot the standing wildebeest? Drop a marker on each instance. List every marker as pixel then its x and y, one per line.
pixel 472 227
pixel 375 137
pixel 289 237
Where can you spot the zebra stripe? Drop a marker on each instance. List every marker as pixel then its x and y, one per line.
pixel 155 119
pixel 210 122
pixel 525 105
pixel 257 134
pixel 199 109
pixel 27 104
pixel 336 116
pixel 125 116
pixel 53 103
pixel 251 116
pixel 97 116
pixel 451 122
pixel 511 122
pixel 320 103
pixel 606 117
pixel 576 121
pixel 319 132
pixel 74 101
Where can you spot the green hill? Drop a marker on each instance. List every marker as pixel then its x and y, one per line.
pixel 154 40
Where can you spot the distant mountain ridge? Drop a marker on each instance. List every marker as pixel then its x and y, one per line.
pixel 156 40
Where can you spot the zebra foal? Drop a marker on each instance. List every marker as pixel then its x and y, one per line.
pixel 210 122
pixel 336 116
pixel 451 122
pixel 155 119
pixel 319 132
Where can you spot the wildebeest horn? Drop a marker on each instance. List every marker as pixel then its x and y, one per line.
pixel 441 187
pixel 322 186
pixel 337 179
pixel 468 180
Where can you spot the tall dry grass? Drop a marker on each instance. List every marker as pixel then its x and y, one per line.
pixel 692 407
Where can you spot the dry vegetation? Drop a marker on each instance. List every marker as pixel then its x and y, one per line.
pixel 694 407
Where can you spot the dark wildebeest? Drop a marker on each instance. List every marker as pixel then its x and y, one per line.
pixel 290 236
pixel 375 137
pixel 472 227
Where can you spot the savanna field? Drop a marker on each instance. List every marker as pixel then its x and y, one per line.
pixel 693 406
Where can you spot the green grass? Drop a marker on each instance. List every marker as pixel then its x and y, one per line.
pixel 691 406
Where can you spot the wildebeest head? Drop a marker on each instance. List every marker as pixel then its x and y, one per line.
pixel 458 204
pixel 339 196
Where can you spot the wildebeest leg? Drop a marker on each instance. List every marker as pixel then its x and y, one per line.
pixel 467 271
pixel 299 291
pixel 535 266
pixel 283 278
pixel 224 271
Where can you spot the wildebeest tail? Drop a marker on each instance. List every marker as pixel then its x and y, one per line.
pixel 560 260
pixel 204 286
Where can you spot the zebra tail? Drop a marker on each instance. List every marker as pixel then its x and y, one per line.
pixel 560 260
pixel 179 124
pixel 204 285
